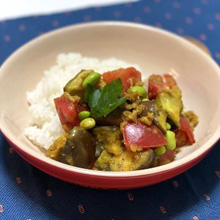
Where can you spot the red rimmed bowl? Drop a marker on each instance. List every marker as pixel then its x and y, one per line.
pixel 154 50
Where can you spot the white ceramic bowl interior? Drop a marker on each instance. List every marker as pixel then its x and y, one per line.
pixel 154 50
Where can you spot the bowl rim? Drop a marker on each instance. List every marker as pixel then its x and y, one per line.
pixel 111 174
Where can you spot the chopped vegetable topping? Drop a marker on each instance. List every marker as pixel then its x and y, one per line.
pixel 184 135
pixel 129 77
pixel 160 151
pixel 67 112
pixel 138 137
pixel 83 114
pixel 87 123
pixel 105 101
pixel 111 123
pixel 156 84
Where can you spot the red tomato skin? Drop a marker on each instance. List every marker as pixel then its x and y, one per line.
pixel 184 134
pixel 169 80
pixel 65 109
pixel 143 136
pixel 156 84
pixel 68 112
pixel 128 76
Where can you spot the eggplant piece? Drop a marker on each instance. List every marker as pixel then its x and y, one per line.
pixel 127 161
pixel 160 116
pixel 170 102
pixel 112 119
pixel 56 148
pixel 79 149
pixel 109 138
pixel 74 86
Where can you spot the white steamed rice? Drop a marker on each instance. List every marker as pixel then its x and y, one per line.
pixel 46 126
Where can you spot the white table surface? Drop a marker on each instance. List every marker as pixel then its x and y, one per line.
pixel 20 8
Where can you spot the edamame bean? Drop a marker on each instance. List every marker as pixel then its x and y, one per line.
pixel 160 151
pixel 87 123
pixel 83 114
pixel 171 140
pixel 139 89
pixel 168 126
pixel 91 79
pixel 145 100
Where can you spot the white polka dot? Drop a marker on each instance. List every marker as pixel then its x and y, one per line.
pixel 188 20
pixel 163 210
pixel 175 183
pixel 49 193
pixel 130 196
pixel 195 218
pixel 117 14
pixel 18 180
pixel 137 19
pixel 158 24
pixel 168 15
pixel 217 55
pixel 10 150
pixel 205 2
pixel 203 37
pixel 87 18
pixel 217 16
pixel 147 9
pixel 176 4
pixel 180 31
pixel 210 26
pixel 1 208
pixel 207 197
pixel 7 38
pixel 197 11
pixel 22 27
pixel 81 209
pixel 55 23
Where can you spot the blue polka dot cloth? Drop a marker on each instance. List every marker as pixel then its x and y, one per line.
pixel 29 194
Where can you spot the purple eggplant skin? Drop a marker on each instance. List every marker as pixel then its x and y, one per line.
pixel 79 149
pixel 159 115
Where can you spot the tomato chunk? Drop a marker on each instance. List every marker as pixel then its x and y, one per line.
pixel 129 76
pixel 68 112
pixel 184 134
pixel 167 157
pixel 142 136
pixel 157 84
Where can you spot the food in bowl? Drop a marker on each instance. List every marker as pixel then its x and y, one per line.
pixel 109 121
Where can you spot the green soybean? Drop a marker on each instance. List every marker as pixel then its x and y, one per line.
pixel 168 126
pixel 139 89
pixel 159 151
pixel 83 114
pixel 91 79
pixel 145 100
pixel 87 123
pixel 171 140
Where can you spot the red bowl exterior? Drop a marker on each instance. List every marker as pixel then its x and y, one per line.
pixel 104 182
